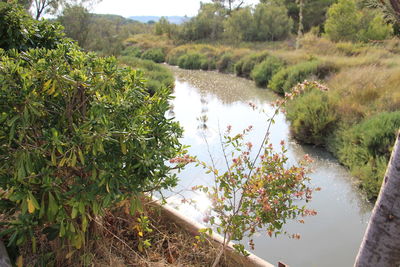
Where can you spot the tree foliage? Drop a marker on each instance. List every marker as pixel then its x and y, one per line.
pixel 104 34
pixel 76 22
pixel 208 24
pixel 346 22
pixel 77 135
pixel 19 31
pixel 272 22
pixel 266 22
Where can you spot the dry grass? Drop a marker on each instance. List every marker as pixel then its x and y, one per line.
pixel 366 90
pixel 114 242
pixel 147 41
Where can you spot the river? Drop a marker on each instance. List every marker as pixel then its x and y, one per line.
pixel 205 103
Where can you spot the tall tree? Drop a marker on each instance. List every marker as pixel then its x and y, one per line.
pixel 391 8
pixel 300 28
pixel 230 5
pixel 76 22
pixel 40 7
pixel 381 243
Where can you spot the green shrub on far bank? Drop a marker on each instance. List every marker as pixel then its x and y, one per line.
pixel 132 51
pixel 154 54
pixel 312 116
pixel 244 66
pixel 366 147
pixel 263 72
pixel 157 76
pixel 226 63
pixel 288 77
pixel 195 61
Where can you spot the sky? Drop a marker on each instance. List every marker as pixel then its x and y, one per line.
pixel 128 8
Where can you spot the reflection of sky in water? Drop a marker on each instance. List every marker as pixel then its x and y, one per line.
pixel 329 239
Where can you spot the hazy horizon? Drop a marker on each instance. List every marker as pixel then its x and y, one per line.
pixel 129 8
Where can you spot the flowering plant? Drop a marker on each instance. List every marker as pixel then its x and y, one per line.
pixel 258 192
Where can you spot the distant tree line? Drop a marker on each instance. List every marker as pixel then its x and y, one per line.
pixel 274 20
pixel 102 33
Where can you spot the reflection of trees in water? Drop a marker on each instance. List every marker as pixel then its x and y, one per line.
pixel 226 87
pixel 328 166
pixel 203 119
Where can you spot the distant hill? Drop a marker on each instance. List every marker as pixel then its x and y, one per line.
pixel 114 18
pixel 172 19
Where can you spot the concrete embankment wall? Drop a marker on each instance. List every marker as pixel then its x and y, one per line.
pixel 193 227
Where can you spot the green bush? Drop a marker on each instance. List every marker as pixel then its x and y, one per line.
pixel 284 80
pixel 78 134
pixel 244 66
pixel 376 30
pixel 226 63
pixel 154 54
pixel 312 116
pixel 19 31
pixel 192 61
pixel 366 147
pixel 132 51
pixel 90 127
pixel 345 22
pixel 157 76
pixel 263 72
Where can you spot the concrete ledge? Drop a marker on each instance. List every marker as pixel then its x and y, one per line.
pixel 193 227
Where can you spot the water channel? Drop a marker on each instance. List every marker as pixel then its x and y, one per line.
pixel 205 103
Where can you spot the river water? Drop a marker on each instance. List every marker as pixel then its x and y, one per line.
pixel 205 103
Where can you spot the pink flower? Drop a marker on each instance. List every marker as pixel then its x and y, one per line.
pixel 249 145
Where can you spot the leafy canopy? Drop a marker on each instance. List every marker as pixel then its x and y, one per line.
pixel 78 134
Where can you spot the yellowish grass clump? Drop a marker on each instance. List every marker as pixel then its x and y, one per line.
pixel 366 90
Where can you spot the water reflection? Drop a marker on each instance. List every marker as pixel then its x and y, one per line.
pixel 329 239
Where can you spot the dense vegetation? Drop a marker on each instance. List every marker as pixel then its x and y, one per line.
pixel 73 122
pixel 351 48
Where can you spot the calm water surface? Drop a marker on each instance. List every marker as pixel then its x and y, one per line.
pixel 205 103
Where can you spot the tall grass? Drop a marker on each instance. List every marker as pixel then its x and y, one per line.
pixel 156 75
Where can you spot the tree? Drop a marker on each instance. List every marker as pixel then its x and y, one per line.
pixel 41 7
pixel 348 23
pixel 18 30
pixel 300 29
pixel 314 12
pixel 391 8
pixel 343 21
pixel 381 243
pixel 240 25
pixel 208 24
pixel 78 134
pixel 230 5
pixel 272 22
pixel 76 22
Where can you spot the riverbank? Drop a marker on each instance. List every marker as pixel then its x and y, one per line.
pixel 223 99
pixel 356 119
